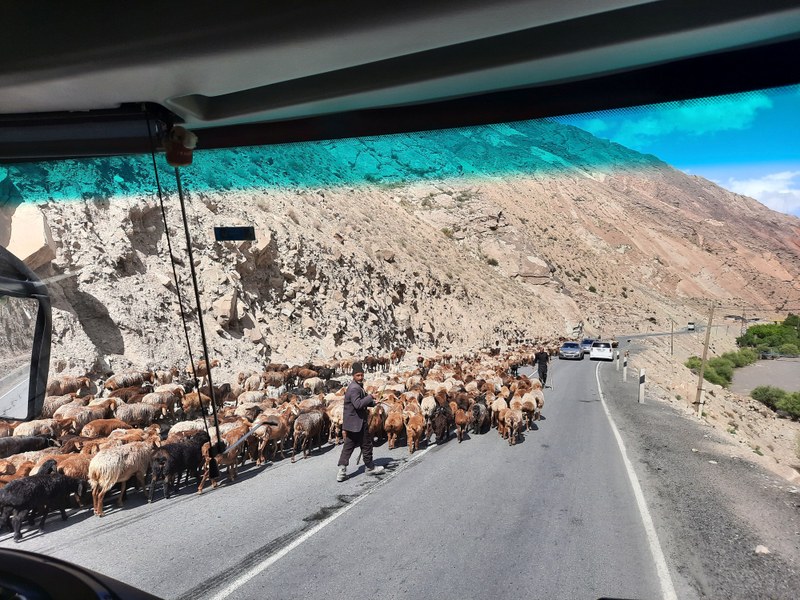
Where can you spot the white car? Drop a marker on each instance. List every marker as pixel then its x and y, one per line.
pixel 601 351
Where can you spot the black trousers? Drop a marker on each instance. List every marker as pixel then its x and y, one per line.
pixel 543 375
pixel 357 439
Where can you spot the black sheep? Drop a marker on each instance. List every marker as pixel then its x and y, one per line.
pixel 440 422
pixel 23 443
pixel 171 460
pixel 41 492
pixel 479 415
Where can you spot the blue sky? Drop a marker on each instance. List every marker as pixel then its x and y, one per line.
pixel 747 143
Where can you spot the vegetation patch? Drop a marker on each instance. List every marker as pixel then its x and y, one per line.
pixel 778 399
pixel 776 338
pixel 719 370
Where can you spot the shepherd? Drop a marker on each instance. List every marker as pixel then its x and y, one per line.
pixel 542 359
pixel 354 424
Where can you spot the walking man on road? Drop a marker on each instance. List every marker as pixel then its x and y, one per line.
pixel 356 402
pixel 542 359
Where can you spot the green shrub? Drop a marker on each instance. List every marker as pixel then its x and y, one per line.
pixel 693 363
pixel 710 375
pixel 592 289
pixel 492 261
pixel 723 368
pixel 768 395
pixel 749 355
pixel 790 403
pixel 788 349
pixel 448 233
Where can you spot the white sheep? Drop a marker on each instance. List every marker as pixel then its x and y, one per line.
pixel 116 465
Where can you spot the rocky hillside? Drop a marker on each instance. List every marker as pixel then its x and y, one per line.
pixel 446 240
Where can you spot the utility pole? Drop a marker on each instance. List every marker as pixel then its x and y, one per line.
pixel 671 334
pixel 744 324
pixel 699 397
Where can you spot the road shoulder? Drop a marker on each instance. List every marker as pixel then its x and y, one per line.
pixel 711 508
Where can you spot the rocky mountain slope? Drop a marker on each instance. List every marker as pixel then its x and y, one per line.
pixel 446 240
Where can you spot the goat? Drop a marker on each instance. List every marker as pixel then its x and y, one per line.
pixel 200 369
pixel 193 404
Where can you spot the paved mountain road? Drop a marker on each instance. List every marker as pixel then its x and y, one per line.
pixel 552 517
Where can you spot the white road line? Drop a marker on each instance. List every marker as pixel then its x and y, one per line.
pixel 273 558
pixel 664 578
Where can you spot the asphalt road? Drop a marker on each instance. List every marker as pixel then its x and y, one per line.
pixel 556 516
pixel 552 517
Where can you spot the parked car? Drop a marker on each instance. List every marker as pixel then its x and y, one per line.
pixel 586 344
pixel 601 351
pixel 570 350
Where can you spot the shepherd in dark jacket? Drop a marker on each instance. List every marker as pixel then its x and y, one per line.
pixel 542 358
pixel 356 402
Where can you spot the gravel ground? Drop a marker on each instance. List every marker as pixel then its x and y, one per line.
pixel 711 508
pixel 782 372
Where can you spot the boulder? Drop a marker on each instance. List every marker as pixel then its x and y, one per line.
pixel 225 309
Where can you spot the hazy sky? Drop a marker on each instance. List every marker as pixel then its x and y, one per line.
pixel 746 143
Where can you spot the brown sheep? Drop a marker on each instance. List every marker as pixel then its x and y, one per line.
pixel 228 458
pixel 275 434
pixel 66 384
pixel 128 379
pixel 415 428
pixel 307 427
pixel 513 422
pixel 48 427
pixel 462 422
pixel 200 369
pixel 394 426
pixel 53 403
pixel 139 415
pixel 335 412
pixel 193 404
pixel 102 427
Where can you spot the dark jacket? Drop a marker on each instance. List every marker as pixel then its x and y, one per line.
pixel 542 358
pixel 356 401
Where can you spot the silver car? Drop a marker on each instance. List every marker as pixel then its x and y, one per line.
pixel 571 350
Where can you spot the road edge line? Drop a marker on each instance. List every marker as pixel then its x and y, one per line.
pixel 664 577
pixel 273 558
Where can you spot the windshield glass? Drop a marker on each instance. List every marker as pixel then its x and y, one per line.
pixel 434 263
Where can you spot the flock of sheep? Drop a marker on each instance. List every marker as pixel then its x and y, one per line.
pixel 93 435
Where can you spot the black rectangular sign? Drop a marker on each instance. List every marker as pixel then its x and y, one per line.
pixel 234 234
